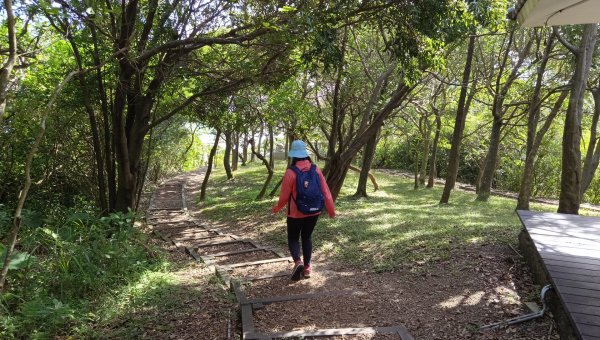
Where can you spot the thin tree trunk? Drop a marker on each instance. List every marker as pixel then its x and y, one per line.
pixel 337 167
pixel 271 146
pixel 592 157
pixel 142 178
pixel 570 180
pixel 530 160
pixel 416 185
pixel 236 151
pixel 245 150
pixel 17 220
pixel 211 158
pixel 109 157
pixel 491 160
pixel 500 91
pixel 459 125
pixel 424 155
pixel 97 148
pixel 368 155
pixel 7 68
pixel 532 125
pixel 261 195
pixel 227 155
pixel 434 149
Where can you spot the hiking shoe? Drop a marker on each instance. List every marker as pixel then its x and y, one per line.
pixel 307 270
pixel 297 271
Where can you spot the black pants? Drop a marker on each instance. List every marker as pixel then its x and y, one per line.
pixel 301 228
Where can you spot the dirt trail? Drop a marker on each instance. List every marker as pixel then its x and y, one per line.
pixel 480 284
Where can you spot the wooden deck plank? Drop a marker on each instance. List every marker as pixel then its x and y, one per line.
pixel 589 330
pixel 582 300
pixel 567 269
pixel 593 268
pixel 582 278
pixel 586 310
pixel 569 247
pixel 570 258
pixel 578 291
pixel 578 284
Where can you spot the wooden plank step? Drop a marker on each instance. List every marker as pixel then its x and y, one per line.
pixel 253 263
pixel 273 299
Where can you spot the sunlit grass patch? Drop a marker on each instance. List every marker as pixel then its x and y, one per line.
pixel 393 227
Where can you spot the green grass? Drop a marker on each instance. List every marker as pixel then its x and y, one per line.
pixel 151 303
pixel 396 225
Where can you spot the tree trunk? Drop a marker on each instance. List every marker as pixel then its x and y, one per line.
pixel 96 144
pixel 227 155
pixel 368 155
pixel 142 178
pixel 434 148
pixel 245 150
pixel 260 136
pixel 211 158
pixel 592 156
pixel 424 155
pixel 532 125
pixel 18 218
pixel 416 185
pixel 235 151
pixel 271 146
pixel 7 68
pixel 487 175
pixel 501 88
pixel 459 125
pixel 337 170
pixel 262 192
pixel 570 180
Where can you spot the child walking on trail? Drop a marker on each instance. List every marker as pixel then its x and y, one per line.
pixel 300 225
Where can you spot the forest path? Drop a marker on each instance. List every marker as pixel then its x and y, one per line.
pixel 445 300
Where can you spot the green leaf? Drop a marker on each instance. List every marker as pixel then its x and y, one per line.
pixel 17 260
pixel 285 9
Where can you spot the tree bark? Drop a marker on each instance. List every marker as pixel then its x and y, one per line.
pixel 271 146
pixel 262 192
pixel 532 125
pixel 245 150
pixel 368 155
pixel 416 184
pixel 211 158
pixel 487 175
pixel 337 167
pixel 498 111
pixel 459 125
pixel 434 149
pixel 592 156
pixel 7 68
pixel 109 158
pixel 96 144
pixel 527 179
pixel 235 151
pixel 425 153
pixel 570 180
pixel 227 155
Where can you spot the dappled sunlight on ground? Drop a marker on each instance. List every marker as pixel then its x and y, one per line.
pixel 400 258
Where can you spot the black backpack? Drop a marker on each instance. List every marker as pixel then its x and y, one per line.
pixel 309 197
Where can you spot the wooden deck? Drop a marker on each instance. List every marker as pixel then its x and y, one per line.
pixel 569 249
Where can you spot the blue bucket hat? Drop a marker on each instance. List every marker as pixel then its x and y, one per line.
pixel 298 150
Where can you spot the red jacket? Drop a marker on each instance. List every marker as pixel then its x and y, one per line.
pixel 289 186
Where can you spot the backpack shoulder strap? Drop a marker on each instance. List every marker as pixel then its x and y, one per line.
pixel 291 198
